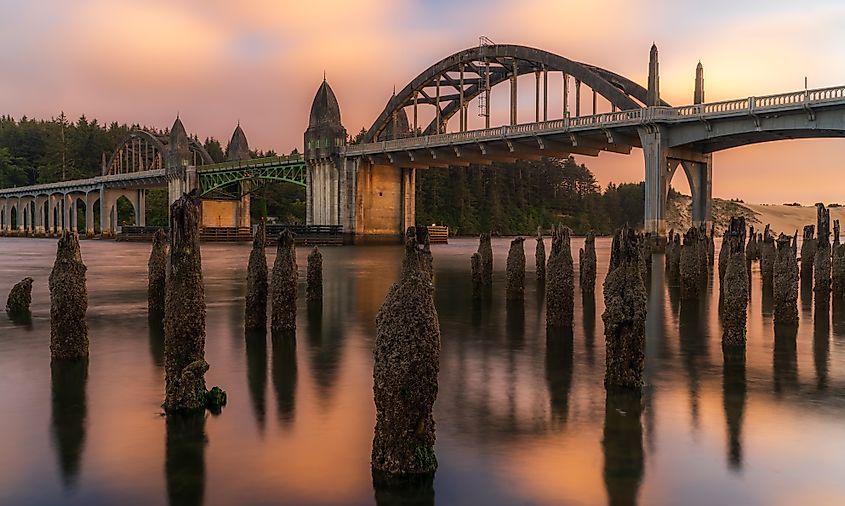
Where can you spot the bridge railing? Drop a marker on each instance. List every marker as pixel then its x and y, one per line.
pixel 253 162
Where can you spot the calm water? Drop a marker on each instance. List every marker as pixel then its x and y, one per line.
pixel 520 419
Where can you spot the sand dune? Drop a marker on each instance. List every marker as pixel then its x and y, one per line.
pixel 781 218
pixel 788 219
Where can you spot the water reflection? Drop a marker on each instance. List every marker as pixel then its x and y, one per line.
pixel 21 319
pixel 559 349
pixel 588 303
pixel 256 372
pixel 806 293
pixel 694 338
pixel 416 492
pixel 821 346
pixel 785 358
pixel 69 410
pixel 185 458
pixel 325 346
pixel 156 328
pixel 767 300
pixel 734 392
pixel 623 447
pixel 284 376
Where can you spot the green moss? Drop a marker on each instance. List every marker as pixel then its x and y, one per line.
pixel 214 400
pixel 426 459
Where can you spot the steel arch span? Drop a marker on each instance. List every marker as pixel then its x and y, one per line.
pixel 143 150
pixel 499 63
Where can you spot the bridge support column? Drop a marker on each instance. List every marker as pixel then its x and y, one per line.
pixel 51 216
pixel 658 173
pixel 140 208
pixel 66 199
pixel 106 211
pixel 385 202
pixel 700 175
pixel 39 216
pixel 244 220
pixel 322 188
pixel 89 214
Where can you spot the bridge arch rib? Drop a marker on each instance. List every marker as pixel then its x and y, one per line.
pixel 504 61
pixel 143 150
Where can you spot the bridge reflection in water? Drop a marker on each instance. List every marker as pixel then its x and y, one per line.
pixel 522 416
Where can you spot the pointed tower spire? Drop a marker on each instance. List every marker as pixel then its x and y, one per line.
pixel 653 97
pixel 698 95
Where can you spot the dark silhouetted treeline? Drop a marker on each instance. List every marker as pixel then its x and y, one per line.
pixel 503 198
pixel 510 199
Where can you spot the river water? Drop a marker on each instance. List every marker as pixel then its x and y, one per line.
pixel 521 419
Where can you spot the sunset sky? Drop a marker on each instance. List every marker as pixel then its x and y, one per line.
pixel 219 62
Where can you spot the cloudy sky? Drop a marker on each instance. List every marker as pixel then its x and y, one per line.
pixel 218 62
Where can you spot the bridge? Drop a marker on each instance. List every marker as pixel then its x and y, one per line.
pixel 369 188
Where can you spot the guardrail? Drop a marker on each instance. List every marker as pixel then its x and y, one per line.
pixel 254 162
pixel 804 99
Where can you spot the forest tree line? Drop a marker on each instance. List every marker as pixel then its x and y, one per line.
pixel 502 198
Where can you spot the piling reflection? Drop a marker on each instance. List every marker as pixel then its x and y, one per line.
pixel 417 492
pixel 185 458
pixel 21 318
pixel 588 303
pixel 325 346
pixel 821 347
pixel 284 376
pixel 694 337
pixel 69 379
pixel 156 327
pixel 806 293
pixel 767 300
pixel 734 393
pixel 559 349
pixel 622 444
pixel 515 324
pixel 785 358
pixel 838 313
pixel 256 374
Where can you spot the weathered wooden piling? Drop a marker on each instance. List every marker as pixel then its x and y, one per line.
pixel 407 339
pixel 314 286
pixel 750 251
pixel 257 284
pixel 735 294
pixel 285 275
pixel 786 281
pixel 20 298
pixel 184 314
pixel 821 261
pixel 724 254
pixel 808 254
pixel 673 260
pixel 426 257
pixel 690 265
pixel 670 238
pixel 540 258
pixel 516 270
pixel 477 280
pixel 837 265
pixel 646 250
pixel 587 264
pixel 711 247
pixel 485 249
pixel 767 259
pixel 68 301
pixel 624 316
pixel 560 280
pixel 157 274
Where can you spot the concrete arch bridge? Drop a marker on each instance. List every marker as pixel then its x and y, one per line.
pixel 368 188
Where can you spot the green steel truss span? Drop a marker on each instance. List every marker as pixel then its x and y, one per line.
pixel 221 179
